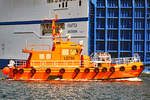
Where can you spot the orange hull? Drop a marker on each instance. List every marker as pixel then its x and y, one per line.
pixel 69 74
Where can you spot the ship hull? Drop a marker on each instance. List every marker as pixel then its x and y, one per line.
pixel 71 74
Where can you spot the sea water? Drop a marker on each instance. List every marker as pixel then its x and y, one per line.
pixel 75 90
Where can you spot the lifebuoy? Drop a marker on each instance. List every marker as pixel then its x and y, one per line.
pixel 15 71
pixel 104 69
pixel 48 71
pixel 134 67
pixel 142 66
pixel 62 71
pixel 21 71
pixel 112 69
pixel 95 64
pixel 122 68
pixel 96 70
pixel 33 71
pixel 77 70
pixel 87 70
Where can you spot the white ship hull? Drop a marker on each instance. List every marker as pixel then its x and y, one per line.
pixel 20 22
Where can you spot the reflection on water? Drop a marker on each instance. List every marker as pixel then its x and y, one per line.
pixel 69 90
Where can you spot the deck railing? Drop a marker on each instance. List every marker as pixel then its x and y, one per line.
pixel 126 60
pixel 74 63
pixel 118 60
pixel 54 63
pixel 22 63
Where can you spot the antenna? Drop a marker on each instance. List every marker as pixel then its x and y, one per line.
pixel 56 16
pixel 54 27
pixel 26 46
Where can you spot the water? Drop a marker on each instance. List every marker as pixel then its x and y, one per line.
pixel 69 90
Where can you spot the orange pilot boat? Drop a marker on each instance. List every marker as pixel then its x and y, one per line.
pixel 65 61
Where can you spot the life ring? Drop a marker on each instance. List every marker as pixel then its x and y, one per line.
pixel 122 68
pixel 134 67
pixel 96 70
pixel 77 70
pixel 104 70
pixel 48 71
pixel 87 70
pixel 21 71
pixel 95 64
pixel 33 71
pixel 62 71
pixel 15 71
pixel 112 69
pixel 142 66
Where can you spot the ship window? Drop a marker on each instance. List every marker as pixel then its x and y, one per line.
pixel 63 4
pixel 65 51
pixel 46 29
pixel 50 1
pixel 66 4
pixel 80 2
pixel 73 51
pixel 56 0
pixel 48 56
pixel 59 5
pixel 41 56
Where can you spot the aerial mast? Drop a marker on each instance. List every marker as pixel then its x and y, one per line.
pixel 54 27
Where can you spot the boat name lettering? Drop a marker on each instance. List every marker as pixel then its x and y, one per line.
pixel 69 58
pixel 72 31
pixel 72 25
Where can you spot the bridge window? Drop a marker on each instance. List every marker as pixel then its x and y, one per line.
pixel 65 52
pixel 48 56
pixel 73 51
pixel 41 56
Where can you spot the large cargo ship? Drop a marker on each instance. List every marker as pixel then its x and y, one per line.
pixel 21 22
pixel 66 61
pixel 120 27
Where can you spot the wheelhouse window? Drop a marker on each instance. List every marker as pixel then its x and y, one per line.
pixel 65 52
pixel 41 56
pixel 73 51
pixel 48 56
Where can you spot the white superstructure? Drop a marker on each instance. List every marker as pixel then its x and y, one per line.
pixel 13 36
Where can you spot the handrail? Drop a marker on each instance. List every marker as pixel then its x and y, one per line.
pixel 118 60
pixel 42 46
pixel 21 63
pixel 126 60
pixel 74 63
pixel 54 63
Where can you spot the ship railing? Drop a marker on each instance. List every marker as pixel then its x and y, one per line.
pixel 101 57
pixel 101 61
pixel 22 63
pixel 60 63
pixel 43 47
pixel 126 60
